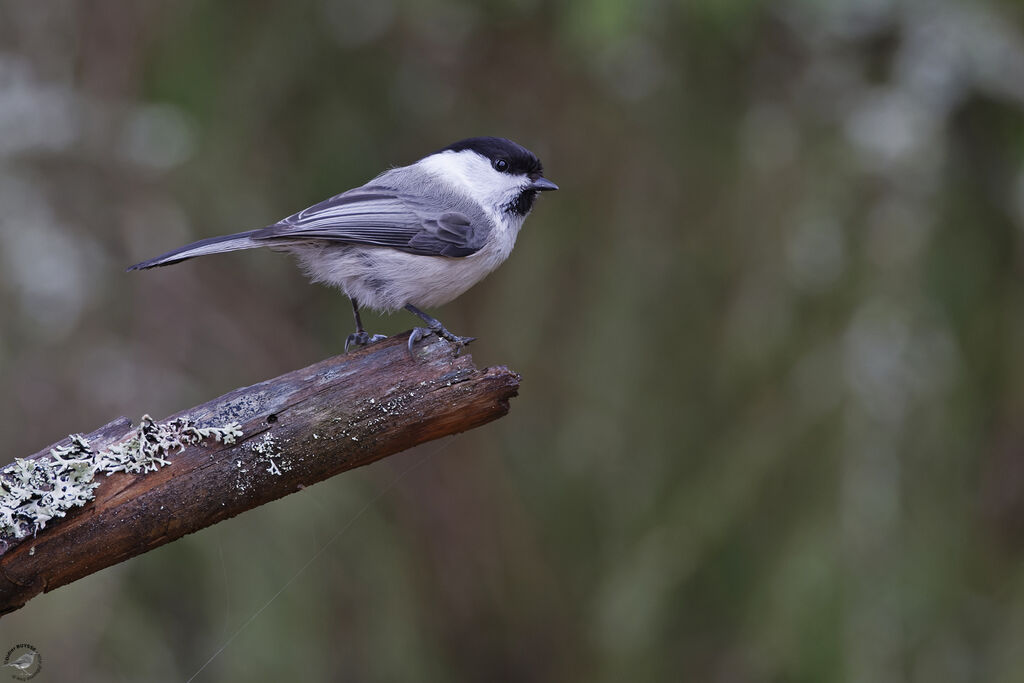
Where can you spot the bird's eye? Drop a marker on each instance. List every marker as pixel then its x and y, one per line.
pixel 501 165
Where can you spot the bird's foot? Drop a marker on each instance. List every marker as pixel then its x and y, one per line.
pixel 362 338
pixel 419 333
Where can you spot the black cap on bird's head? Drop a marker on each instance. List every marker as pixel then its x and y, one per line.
pixel 506 157
pixel 511 158
pixel 518 159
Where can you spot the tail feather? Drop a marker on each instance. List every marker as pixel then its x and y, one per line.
pixel 212 245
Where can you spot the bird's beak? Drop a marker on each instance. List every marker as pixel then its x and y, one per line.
pixel 541 184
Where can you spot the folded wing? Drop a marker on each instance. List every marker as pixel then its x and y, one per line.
pixel 381 216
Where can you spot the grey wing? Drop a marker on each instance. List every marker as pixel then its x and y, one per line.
pixel 381 216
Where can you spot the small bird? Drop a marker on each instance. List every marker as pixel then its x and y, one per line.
pixel 24 662
pixel 414 236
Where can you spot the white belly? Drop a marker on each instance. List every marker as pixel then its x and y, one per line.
pixel 386 279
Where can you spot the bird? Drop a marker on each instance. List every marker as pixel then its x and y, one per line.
pixel 413 237
pixel 24 662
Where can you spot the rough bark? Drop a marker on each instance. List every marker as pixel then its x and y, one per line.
pixel 298 429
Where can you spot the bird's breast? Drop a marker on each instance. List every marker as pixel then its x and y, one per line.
pixel 387 279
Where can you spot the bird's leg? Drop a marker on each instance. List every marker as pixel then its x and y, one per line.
pixel 433 326
pixel 360 337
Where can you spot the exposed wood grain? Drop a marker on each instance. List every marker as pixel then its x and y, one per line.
pixel 310 424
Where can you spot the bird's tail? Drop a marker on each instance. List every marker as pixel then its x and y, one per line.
pixel 212 245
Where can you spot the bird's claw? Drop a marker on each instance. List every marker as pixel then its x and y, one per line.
pixel 419 333
pixel 362 338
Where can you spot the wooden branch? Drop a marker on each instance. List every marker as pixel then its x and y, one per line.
pixel 298 429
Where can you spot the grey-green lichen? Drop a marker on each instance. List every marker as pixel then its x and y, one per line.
pixel 32 492
pixel 267 449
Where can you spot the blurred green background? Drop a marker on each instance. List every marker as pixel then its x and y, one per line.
pixel 771 334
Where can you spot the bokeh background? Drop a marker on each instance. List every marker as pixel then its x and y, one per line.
pixel 771 334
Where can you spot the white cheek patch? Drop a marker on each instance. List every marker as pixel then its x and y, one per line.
pixel 492 189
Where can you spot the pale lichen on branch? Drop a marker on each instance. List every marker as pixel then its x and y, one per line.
pixel 34 491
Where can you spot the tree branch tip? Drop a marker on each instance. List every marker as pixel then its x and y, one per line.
pixel 243 449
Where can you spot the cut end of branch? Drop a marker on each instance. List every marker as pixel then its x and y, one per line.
pixel 251 446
